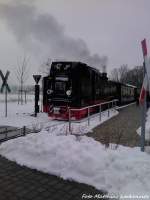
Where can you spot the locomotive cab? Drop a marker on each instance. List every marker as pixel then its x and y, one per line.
pixel 62 89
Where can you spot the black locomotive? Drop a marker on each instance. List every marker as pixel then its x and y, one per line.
pixel 77 85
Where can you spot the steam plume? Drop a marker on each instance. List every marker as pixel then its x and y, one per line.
pixel 42 33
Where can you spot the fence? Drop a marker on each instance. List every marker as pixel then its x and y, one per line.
pixel 7 133
pixel 110 104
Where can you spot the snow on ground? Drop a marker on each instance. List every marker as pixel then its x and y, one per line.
pixel 147 127
pixel 20 115
pixel 74 156
pixel 79 128
pixel 123 171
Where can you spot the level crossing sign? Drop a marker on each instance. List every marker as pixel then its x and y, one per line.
pixel 37 78
pixel 4 79
pixel 6 86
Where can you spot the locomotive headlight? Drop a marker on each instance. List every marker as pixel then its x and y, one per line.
pixel 49 91
pixel 68 92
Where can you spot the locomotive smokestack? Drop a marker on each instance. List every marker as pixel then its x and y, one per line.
pixel 104 72
pixel 104 69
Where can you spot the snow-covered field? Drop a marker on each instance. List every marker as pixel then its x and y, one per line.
pixel 14 97
pixel 54 150
pixel 20 115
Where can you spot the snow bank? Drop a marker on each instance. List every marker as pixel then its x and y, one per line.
pixel 80 158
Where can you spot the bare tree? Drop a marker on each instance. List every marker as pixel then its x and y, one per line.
pixel 120 74
pixel 135 76
pixel 123 70
pixel 132 76
pixel 22 73
pixel 115 75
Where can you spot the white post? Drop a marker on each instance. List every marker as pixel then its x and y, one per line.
pixel 88 116
pixel 100 112
pixel 69 120
pixel 5 101
pixel 115 104
pixel 108 109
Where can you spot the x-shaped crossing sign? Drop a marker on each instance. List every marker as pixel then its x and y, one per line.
pixel 4 79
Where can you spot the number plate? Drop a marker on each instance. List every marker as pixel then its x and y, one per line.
pixel 56 110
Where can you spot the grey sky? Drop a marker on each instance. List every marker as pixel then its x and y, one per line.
pixel 112 28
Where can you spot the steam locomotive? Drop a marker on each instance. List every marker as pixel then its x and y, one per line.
pixel 77 85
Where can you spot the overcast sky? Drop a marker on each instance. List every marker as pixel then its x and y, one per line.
pixel 86 30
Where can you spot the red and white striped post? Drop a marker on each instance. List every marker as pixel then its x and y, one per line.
pixel 143 93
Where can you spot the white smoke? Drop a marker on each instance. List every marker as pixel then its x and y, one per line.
pixel 42 33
